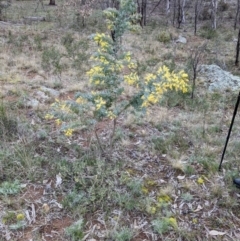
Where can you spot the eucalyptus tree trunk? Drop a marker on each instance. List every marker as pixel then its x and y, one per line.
pixel 183 10
pixel 214 4
pixel 237 13
pixel 142 9
pixel 174 11
pixel 197 10
pixel 52 2
pixel 167 7
pixel 180 12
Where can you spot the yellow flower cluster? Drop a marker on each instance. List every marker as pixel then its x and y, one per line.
pixel 111 15
pixel 103 60
pixel 110 24
pixel 164 80
pixel 80 100
pixel 151 209
pixel 49 117
pixel 68 132
pixel 20 216
pixel 99 103
pixel 95 70
pixel 58 122
pixel 200 181
pixel 150 77
pixel 128 58
pixel 131 79
pixel 111 115
pixel 95 74
pixel 132 65
pixel 172 222
pixel 101 40
pixel 64 107
pixel 164 199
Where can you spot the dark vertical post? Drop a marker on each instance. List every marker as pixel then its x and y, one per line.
pixel 229 132
pixel 237 49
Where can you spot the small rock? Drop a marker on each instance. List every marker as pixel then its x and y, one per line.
pixel 32 103
pixel 181 39
pixel 51 92
pixel 41 95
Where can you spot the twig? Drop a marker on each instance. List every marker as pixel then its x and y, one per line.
pixel 99 143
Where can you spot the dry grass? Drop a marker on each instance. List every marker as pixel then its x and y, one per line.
pixel 164 163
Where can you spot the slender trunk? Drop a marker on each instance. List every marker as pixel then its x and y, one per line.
pixel 144 12
pixel 237 49
pixel 174 11
pixel 214 13
pixel 194 82
pixel 183 11
pixel 52 2
pixel 196 17
pixel 180 16
pixel 237 13
pixel 142 9
pixel 113 133
pixel 167 7
pixel 197 9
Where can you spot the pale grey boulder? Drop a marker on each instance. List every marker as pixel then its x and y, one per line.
pixel 215 78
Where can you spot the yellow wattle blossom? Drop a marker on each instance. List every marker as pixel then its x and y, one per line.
pixel 49 117
pixel 110 115
pixel 64 107
pixel 164 199
pixel 151 182
pixel 151 209
pixel 68 132
pixel 80 100
pixel 101 39
pixel 173 222
pixel 195 221
pixel 99 103
pixel 150 77
pixel 119 66
pixel 58 122
pixel 20 216
pixel 132 65
pixel 145 190
pixel 97 82
pixel 200 180
pixel 98 37
pixel 95 70
pixel 164 80
pixel 131 79
pixel 110 24
pixel 103 60
pixel 128 56
pixel 152 98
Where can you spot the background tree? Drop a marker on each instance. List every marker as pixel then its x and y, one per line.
pixel 195 58
pixel 214 7
pixel 142 9
pixel 181 12
pixel 197 10
pixel 237 13
pixel 4 5
pixel 52 2
pixel 167 7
